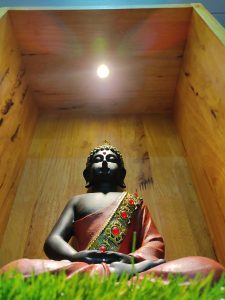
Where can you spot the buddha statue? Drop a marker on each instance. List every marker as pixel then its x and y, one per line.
pixel 102 225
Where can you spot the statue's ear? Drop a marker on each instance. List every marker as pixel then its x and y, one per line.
pixel 121 178
pixel 86 174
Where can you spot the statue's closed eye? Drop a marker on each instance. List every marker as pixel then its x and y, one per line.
pixel 112 158
pixel 97 159
pixel 100 158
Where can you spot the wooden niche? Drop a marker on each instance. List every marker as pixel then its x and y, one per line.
pixel 163 106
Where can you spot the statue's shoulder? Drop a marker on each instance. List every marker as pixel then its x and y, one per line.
pixel 76 199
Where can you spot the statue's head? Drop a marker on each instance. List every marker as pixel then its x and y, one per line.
pixel 105 163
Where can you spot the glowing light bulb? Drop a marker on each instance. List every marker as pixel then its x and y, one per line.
pixel 103 71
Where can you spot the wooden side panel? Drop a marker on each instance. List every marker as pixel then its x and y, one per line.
pixel 200 119
pixel 155 165
pixel 172 198
pixel 17 119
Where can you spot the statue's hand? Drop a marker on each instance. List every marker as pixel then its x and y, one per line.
pixel 118 257
pixel 88 256
pixel 96 257
pixel 119 267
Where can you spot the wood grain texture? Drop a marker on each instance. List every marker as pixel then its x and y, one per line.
pixel 200 119
pixel 143 48
pixel 156 168
pixel 18 116
pixel 172 197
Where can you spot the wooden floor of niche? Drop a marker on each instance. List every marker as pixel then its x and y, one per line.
pixel 156 168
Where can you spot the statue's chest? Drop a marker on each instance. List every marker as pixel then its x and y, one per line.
pixel 92 204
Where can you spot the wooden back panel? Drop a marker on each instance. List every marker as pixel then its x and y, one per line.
pixel 156 168
pixel 18 116
pixel 200 118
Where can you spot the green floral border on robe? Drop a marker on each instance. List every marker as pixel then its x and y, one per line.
pixel 114 230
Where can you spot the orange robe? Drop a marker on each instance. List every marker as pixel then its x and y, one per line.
pixel 149 243
pixel 149 246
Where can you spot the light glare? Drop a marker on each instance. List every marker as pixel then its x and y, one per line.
pixel 103 71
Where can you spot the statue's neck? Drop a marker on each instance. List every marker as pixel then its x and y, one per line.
pixel 104 187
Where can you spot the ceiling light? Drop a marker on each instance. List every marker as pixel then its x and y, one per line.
pixel 103 71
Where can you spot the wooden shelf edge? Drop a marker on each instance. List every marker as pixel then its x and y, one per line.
pixel 3 11
pixel 210 20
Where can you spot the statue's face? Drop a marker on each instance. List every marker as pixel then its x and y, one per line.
pixel 105 166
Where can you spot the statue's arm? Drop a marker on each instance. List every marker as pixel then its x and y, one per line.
pixel 56 246
pixel 149 245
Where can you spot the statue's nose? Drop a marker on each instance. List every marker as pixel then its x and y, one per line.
pixel 104 164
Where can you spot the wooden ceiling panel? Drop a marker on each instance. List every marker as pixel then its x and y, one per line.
pixel 142 47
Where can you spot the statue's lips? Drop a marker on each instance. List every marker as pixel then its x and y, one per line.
pixel 104 171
